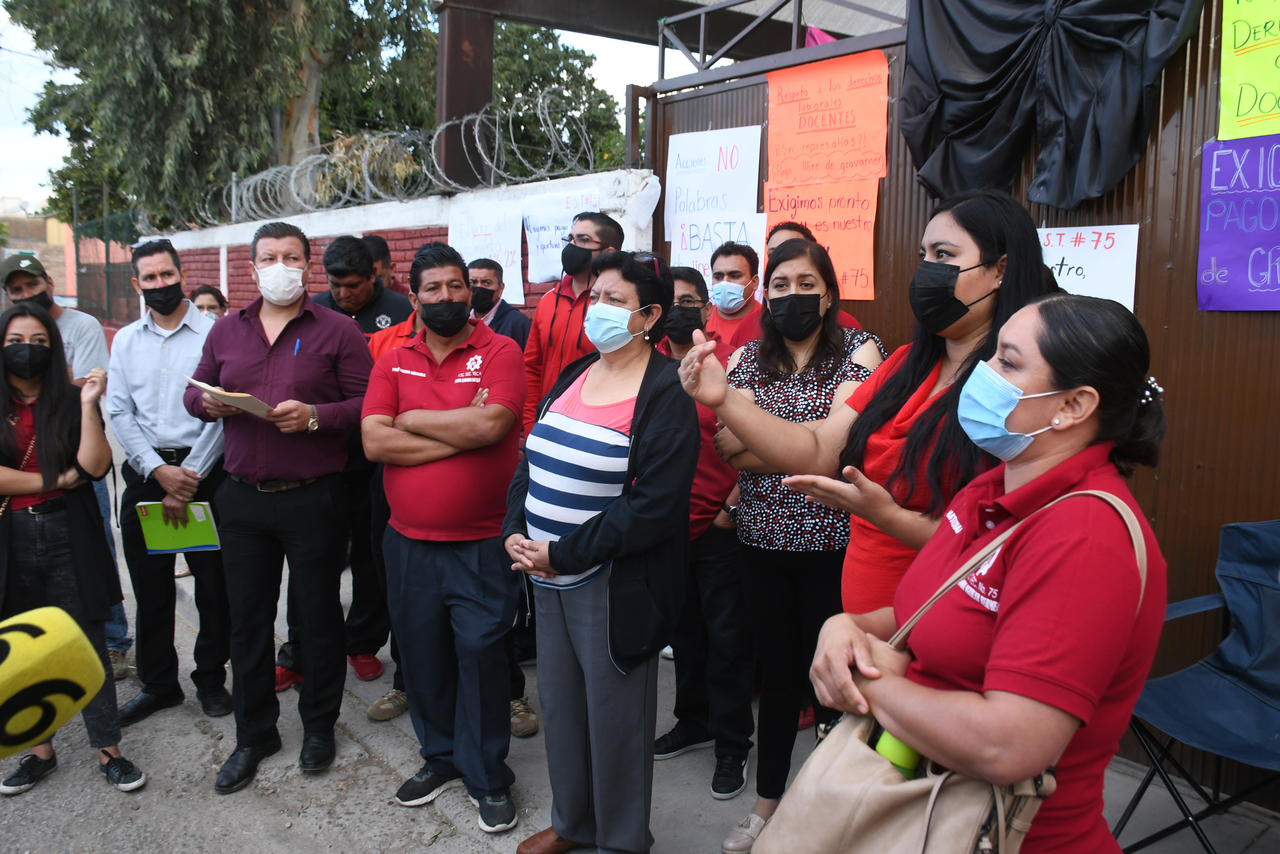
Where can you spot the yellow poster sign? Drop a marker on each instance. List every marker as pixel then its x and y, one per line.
pixel 1250 82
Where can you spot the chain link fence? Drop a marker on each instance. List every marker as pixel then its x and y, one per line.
pixel 103 271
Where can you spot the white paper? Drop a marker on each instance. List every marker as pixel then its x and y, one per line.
pixel 240 400
pixel 547 220
pixel 489 230
pixel 1093 261
pixel 710 174
pixel 694 239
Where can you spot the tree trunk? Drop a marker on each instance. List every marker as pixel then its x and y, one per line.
pixel 298 130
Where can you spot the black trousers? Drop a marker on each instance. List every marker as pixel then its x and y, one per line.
pixel 712 646
pixel 154 590
pixel 789 596
pixel 306 526
pixel 368 621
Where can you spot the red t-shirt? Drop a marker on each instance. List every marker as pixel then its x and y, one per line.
pixel 1050 617
pixel 463 497
pixel 726 326
pixel 749 329
pixel 875 561
pixel 24 431
pixel 391 338
pixel 714 479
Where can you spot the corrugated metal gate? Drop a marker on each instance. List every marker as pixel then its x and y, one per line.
pixel 1220 370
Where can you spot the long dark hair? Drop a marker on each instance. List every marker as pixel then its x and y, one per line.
pixel 774 359
pixel 1001 227
pixel 1098 342
pixel 56 416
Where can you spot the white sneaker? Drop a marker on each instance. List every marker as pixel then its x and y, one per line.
pixel 668 653
pixel 743 837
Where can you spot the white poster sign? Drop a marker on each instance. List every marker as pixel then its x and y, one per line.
pixel 1093 260
pixel 711 174
pixel 695 238
pixel 547 219
pixel 492 230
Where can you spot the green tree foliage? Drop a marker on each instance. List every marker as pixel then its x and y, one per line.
pixel 171 98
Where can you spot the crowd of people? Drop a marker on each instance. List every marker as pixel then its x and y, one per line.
pixel 737 471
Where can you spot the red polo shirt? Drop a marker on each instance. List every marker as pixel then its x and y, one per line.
pixel 1050 617
pixel 463 497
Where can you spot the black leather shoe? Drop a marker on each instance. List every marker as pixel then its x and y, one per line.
pixel 143 705
pixel 317 753
pixel 216 702
pixel 237 772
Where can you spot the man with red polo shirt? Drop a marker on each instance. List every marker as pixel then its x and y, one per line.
pixel 713 659
pixel 556 337
pixel 450 588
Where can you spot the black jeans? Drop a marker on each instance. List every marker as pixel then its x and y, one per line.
pixel 154 589
pixel 712 648
pixel 306 526
pixel 40 574
pixel 789 596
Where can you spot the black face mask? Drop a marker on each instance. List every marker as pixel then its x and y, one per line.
pixel 933 295
pixel 797 316
pixel 27 360
pixel 41 299
pixel 574 259
pixel 164 300
pixel 681 323
pixel 482 300
pixel 445 319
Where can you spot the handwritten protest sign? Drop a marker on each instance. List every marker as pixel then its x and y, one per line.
pixel 1239 263
pixel 489 230
pixel 547 220
pixel 710 174
pixel 1093 261
pixel 828 120
pixel 842 216
pixel 696 238
pixel 1250 81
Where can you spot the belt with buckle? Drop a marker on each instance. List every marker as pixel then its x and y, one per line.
pixel 53 505
pixel 173 456
pixel 274 485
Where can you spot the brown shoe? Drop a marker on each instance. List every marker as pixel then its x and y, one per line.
pixel 546 842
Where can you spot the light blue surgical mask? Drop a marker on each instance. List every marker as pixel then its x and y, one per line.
pixel 986 400
pixel 728 296
pixel 607 327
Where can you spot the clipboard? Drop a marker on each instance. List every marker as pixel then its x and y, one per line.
pixel 200 534
pixel 239 400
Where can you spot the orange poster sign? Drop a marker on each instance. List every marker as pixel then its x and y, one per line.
pixel 842 216
pixel 828 126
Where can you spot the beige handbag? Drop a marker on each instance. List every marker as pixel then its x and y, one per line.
pixel 848 798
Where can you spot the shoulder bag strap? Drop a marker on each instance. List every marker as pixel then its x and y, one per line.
pixel 899 640
pixel 26 458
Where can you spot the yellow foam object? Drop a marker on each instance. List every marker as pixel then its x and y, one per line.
pixel 48 673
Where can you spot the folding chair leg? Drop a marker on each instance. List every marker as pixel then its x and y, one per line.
pixel 1142 788
pixel 1144 738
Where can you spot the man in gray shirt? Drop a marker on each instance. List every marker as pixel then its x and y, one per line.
pixel 23 278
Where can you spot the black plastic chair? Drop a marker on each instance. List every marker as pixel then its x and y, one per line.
pixel 1228 703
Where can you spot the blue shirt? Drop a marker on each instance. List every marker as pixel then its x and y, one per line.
pixel 145 384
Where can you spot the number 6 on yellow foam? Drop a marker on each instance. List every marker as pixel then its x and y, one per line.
pixel 48 672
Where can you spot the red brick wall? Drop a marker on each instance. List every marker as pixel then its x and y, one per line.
pixel 201 265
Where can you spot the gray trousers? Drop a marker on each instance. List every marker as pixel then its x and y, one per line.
pixel 599 724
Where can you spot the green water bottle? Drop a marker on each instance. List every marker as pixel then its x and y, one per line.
pixel 901 756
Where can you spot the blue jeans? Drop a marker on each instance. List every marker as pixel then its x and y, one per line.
pixel 117 627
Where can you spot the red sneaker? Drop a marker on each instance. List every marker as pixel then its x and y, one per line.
pixel 367 666
pixel 806 718
pixel 286 678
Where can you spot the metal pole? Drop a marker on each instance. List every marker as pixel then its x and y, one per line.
pixel 795 25
pixel 662 50
pixel 235 198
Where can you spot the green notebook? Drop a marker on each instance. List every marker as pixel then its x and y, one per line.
pixel 200 534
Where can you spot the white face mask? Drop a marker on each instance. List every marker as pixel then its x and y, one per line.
pixel 280 284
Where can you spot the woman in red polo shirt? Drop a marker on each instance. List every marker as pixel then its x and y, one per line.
pixel 896 442
pixel 1044 649
pixel 52 445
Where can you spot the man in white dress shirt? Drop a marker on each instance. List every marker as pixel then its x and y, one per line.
pixel 173 458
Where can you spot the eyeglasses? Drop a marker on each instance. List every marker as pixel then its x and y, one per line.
pixel 582 240
pixel 690 302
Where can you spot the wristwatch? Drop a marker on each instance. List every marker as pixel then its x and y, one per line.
pixel 312 424
pixel 731 510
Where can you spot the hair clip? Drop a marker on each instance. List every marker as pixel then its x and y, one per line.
pixel 1150 391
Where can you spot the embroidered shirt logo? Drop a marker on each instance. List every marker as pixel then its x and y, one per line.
pixel 955 521
pixel 976 587
pixel 472 373
pixel 382 321
pixel 399 370
pixel 473 364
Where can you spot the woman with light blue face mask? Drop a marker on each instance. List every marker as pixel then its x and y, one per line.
pixel 1059 625
pixel 598 516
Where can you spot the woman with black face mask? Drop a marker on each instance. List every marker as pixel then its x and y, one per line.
pixel 52 445
pixel 893 454
pixel 792 550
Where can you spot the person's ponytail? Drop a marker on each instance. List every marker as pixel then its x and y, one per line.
pixel 1141 445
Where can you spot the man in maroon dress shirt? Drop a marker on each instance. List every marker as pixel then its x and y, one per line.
pixel 284 496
